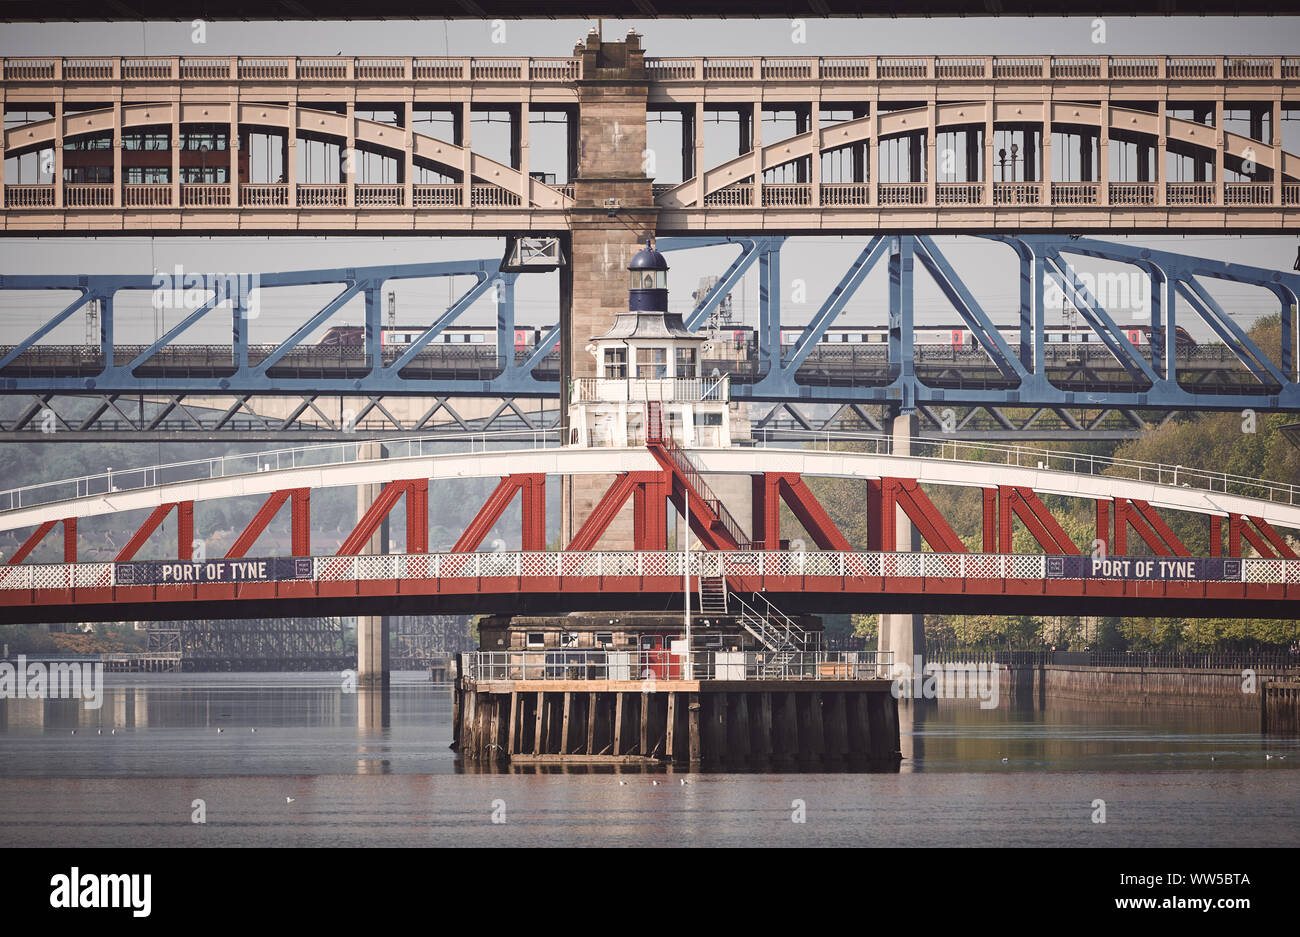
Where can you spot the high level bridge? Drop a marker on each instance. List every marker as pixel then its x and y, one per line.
pixel 902 143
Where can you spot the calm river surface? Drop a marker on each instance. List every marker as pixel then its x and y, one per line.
pixel 130 773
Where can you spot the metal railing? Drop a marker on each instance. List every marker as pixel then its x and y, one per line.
pixel 1048 460
pixel 566 69
pixel 870 443
pixel 651 667
pixel 133 479
pixel 1205 660
pixel 668 389
pixel 551 69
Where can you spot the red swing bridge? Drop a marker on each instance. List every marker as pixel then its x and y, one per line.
pixel 891 572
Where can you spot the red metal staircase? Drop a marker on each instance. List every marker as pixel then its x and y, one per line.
pixel 709 517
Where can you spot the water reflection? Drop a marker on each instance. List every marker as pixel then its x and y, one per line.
pixel 218 724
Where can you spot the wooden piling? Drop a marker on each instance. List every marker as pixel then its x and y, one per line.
pixel 693 723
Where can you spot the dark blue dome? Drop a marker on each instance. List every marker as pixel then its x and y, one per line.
pixel 647 258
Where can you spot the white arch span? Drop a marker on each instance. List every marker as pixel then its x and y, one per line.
pixel 609 461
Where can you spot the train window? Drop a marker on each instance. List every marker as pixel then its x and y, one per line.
pixel 476 338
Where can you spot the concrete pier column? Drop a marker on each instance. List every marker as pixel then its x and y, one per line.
pixel 372 630
pixel 904 634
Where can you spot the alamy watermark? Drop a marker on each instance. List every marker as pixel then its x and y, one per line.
pixel 947 681
pixel 82 680
pixel 180 289
pixel 1112 290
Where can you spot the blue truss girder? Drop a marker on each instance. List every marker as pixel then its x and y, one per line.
pixel 1041 256
pixel 367 282
pixel 1175 268
pixel 750 250
pixel 1228 331
pixel 835 303
pixel 1077 292
pixel 980 325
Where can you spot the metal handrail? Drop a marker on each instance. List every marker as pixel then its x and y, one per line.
pixel 251 463
pixel 653 667
pixel 922 447
pixel 1056 460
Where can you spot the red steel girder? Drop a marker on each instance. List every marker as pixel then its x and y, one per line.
pixel 649 521
pixel 706 512
pixel 184 531
pixel 1270 546
pixel 1172 545
pixel 301 498
pixel 790 486
pixel 413 488
pixel 1026 505
pixel 39 534
pixel 650 511
pixel 705 522
pixel 1103 524
pixel 533 486
pixel 888 494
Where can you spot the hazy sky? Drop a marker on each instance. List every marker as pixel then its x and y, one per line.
pixel 1041 35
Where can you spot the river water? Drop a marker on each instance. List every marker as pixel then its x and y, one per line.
pixel 139 770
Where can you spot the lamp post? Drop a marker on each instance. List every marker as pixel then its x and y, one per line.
pixel 686 584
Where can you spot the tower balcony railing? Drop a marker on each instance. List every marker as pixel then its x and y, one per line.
pixel 664 390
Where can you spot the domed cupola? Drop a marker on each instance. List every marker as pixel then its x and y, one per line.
pixel 648 290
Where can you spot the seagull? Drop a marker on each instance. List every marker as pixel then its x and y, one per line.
pixel 114 732
pixel 685 782
pixel 219 731
pixel 254 731
pixel 288 800
pixel 1268 757
pixel 622 784
pixel 1005 760
pixel 1212 758
pixel 99 731
pixel 655 783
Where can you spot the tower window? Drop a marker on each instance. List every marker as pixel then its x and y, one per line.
pixel 651 363
pixel 616 364
pixel 686 362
